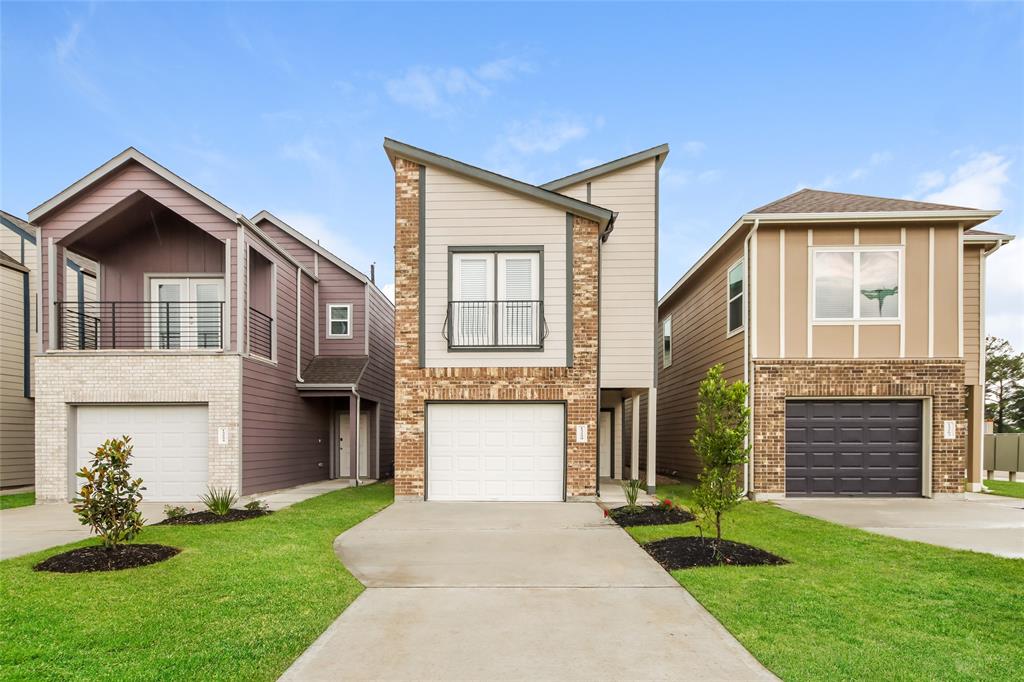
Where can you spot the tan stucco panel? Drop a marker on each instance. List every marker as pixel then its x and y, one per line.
pixel 916 278
pixel 796 292
pixel 879 341
pixel 947 246
pixel 833 341
pixel 767 293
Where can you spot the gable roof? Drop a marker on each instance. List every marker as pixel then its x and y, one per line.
pixel 659 152
pixel 289 230
pixel 19 226
pixel 821 201
pixel 603 216
pixel 129 155
pixel 12 263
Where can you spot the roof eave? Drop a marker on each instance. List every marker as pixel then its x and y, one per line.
pixel 288 229
pixel 659 152
pixel 600 215
pixel 871 216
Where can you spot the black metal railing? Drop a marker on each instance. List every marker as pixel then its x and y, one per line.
pixel 495 324
pixel 261 334
pixel 140 325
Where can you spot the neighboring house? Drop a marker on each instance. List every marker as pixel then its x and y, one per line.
pixel 859 324
pixel 525 327
pixel 235 352
pixel 16 410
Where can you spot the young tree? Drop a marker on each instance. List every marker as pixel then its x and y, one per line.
pixel 109 500
pixel 723 422
pixel 1004 385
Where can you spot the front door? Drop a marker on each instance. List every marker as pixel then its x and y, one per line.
pixel 185 312
pixel 604 437
pixel 344 453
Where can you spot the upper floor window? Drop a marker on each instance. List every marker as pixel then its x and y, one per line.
pixel 734 293
pixel 339 321
pixel 856 284
pixel 495 299
pixel 666 342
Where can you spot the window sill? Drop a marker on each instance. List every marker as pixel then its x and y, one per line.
pixel 885 321
pixel 734 332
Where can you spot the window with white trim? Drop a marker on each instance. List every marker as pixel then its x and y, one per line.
pixel 853 284
pixel 666 342
pixel 495 299
pixel 734 294
pixel 339 321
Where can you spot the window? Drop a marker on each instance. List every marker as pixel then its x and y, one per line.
pixel 856 284
pixel 339 321
pixel 666 342
pixel 734 293
pixel 495 299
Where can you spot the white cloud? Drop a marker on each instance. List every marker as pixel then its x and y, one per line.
pixel 389 291
pixel 438 90
pixel 542 134
pixel 978 183
pixel 67 45
pixel 503 69
pixel 1004 290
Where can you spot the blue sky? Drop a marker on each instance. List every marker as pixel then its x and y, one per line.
pixel 284 106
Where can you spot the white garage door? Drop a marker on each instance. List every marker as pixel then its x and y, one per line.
pixel 170 443
pixel 495 451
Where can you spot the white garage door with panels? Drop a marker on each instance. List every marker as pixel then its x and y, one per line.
pixel 170 445
pixel 496 451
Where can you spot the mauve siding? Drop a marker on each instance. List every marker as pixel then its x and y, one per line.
pixel 285 438
pixel 133 177
pixel 295 248
pixel 308 334
pixel 378 381
pixel 337 286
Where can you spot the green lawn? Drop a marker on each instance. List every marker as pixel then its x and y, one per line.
pixel 17 500
pixel 1006 489
pixel 855 605
pixel 241 601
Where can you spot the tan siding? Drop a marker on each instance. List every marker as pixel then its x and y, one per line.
pixel 462 212
pixel 796 292
pixel 767 293
pixel 17 425
pixel 833 236
pixel 880 235
pixel 879 341
pixel 972 313
pixel 628 308
pixel 833 341
pixel 916 279
pixel 699 341
pixel 947 247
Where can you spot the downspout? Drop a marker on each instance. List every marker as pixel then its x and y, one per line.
pixel 298 325
pixel 748 373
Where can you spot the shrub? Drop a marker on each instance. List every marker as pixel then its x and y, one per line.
pixel 219 500
pixel 257 505
pixel 173 512
pixel 720 442
pixel 109 499
pixel 632 490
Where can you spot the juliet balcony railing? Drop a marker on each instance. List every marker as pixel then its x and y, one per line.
pixel 140 325
pixel 261 334
pixel 495 324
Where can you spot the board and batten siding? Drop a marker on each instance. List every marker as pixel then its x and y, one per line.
pixel 463 212
pixel 17 413
pixel 699 341
pixel 788 306
pixel 973 324
pixel 17 247
pixel 628 272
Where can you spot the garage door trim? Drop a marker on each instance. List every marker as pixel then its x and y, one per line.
pixel 565 435
pixel 926 428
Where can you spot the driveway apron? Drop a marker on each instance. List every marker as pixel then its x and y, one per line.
pixel 496 591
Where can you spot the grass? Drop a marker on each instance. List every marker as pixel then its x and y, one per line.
pixel 17 500
pixel 1006 488
pixel 855 605
pixel 241 601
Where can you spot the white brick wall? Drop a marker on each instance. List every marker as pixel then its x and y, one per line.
pixel 64 380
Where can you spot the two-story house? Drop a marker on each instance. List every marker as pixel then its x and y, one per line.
pixel 235 352
pixel 858 323
pixel 525 327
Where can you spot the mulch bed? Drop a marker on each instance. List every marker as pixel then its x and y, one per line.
pixel 691 552
pixel 204 517
pixel 657 515
pixel 97 558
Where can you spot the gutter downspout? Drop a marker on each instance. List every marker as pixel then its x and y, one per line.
pixel 748 374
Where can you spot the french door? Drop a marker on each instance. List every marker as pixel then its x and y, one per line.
pixel 186 312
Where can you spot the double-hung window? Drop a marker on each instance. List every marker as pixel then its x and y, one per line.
pixel 857 284
pixel 734 295
pixel 339 321
pixel 666 342
pixel 495 299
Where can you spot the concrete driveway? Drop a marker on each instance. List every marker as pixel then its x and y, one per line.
pixel 514 591
pixel 982 523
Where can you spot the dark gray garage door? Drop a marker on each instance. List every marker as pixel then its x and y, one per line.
pixel 853 447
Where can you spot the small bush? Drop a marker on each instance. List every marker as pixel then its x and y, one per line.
pixel 173 512
pixel 257 505
pixel 632 489
pixel 219 500
pixel 109 499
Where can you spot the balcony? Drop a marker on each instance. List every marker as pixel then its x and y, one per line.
pixel 140 325
pixel 485 325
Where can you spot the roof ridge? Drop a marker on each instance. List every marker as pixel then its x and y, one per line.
pixel 607 167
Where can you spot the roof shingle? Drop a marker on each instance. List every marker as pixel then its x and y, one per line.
pixel 821 201
pixel 334 369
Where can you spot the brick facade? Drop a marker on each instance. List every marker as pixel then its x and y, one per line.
pixel 777 380
pixel 63 380
pixel 414 385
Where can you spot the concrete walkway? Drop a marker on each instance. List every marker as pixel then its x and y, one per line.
pixel 982 523
pixel 495 591
pixel 30 529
